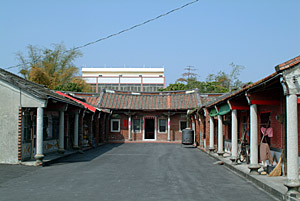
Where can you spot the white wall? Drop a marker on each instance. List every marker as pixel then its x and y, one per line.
pixel 11 99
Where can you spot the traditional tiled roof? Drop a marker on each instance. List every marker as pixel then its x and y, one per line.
pixel 210 97
pixel 278 68
pixel 36 90
pixel 178 100
pixel 235 93
pixel 287 64
pixel 90 99
pixel 91 108
pixel 217 99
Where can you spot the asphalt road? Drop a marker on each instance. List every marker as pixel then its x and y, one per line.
pixel 129 172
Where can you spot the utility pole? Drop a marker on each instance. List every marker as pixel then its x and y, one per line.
pixel 188 74
pixel 189 70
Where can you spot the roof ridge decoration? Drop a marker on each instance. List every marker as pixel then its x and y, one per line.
pixel 101 98
pixel 153 92
pixel 135 93
pixel 110 91
pixel 287 64
pixel 190 91
pixel 114 99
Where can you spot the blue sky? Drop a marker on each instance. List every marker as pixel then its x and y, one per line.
pixel 208 35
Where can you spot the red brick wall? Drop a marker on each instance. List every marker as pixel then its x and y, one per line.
pixel 161 136
pixel 175 134
pixel 277 141
pixel 207 128
pixel 226 132
pixel 123 134
pixel 197 131
pixel 194 119
pixel 202 125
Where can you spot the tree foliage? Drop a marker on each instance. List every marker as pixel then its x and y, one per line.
pixel 175 87
pixel 221 82
pixel 53 68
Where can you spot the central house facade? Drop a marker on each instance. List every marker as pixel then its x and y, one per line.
pixel 147 116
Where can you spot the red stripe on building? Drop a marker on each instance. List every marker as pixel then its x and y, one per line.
pixel 265 102
pixel 91 108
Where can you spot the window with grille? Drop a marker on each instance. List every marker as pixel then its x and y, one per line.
pixel 162 125
pixel 136 125
pixel 115 125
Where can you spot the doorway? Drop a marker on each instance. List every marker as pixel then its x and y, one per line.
pixel 149 129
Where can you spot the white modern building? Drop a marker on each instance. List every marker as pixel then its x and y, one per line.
pixel 125 79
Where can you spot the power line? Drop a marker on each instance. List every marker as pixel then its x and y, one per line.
pixel 135 26
pixel 120 32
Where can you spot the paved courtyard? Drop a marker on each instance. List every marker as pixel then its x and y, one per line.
pixel 131 172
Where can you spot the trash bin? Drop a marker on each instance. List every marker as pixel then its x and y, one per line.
pixel 187 136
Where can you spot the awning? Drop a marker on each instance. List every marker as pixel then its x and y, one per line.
pixel 224 109
pixel 213 112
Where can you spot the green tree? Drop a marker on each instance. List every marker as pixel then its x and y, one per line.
pixel 53 68
pixel 234 76
pixel 174 87
pixel 188 77
pixel 221 82
pixel 226 82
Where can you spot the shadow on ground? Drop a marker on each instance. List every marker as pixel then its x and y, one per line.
pixel 85 156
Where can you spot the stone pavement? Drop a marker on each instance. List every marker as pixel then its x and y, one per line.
pixel 273 185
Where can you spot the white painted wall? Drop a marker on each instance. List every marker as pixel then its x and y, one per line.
pixel 11 99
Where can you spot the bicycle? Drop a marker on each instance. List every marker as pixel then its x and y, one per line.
pixel 244 150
